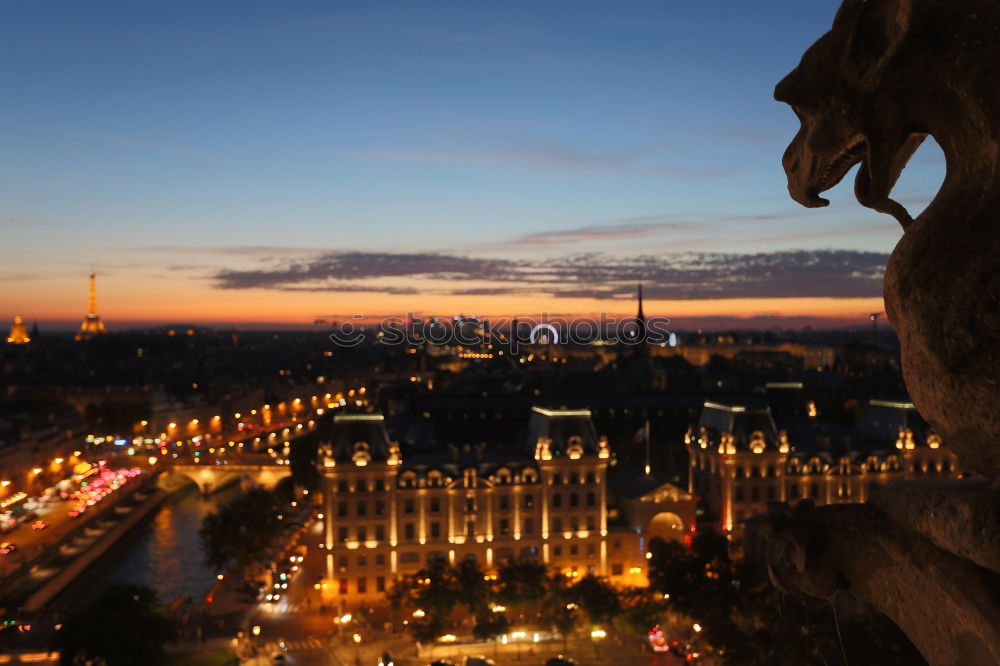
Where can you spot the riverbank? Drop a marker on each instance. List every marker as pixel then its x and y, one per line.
pixel 162 552
pixel 154 544
pixel 69 571
pixel 60 549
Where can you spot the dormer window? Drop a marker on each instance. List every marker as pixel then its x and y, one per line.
pixel 362 454
pixel 574 447
pixel 542 450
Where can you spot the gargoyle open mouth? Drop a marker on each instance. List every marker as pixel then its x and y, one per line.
pixel 835 169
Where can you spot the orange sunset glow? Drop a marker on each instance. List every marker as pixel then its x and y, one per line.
pixel 133 301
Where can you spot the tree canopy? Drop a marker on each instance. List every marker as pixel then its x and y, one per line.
pixel 125 625
pixel 521 581
pixel 240 531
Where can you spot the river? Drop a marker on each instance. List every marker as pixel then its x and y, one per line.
pixel 163 552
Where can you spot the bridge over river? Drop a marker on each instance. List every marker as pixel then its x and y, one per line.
pixel 259 469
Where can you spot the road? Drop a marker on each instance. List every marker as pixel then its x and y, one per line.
pixel 31 542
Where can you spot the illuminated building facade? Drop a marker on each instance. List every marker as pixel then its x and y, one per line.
pixel 92 324
pixel 386 516
pixel 740 461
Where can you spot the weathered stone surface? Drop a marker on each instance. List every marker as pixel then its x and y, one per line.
pixel 960 517
pixel 888 74
pixel 946 605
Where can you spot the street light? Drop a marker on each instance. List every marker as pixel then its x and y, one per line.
pixel 357 648
pixel 597 635
pixel 256 639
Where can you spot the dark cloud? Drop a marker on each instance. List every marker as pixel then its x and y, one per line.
pixel 823 273
pixel 349 287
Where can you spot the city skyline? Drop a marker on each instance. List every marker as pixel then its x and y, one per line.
pixel 272 166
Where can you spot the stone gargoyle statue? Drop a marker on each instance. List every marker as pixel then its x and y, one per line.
pixel 888 74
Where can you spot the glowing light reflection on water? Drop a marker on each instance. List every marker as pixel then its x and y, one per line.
pixel 164 552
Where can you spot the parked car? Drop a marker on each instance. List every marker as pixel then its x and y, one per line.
pixel 39 525
pixel 560 661
pixel 7 547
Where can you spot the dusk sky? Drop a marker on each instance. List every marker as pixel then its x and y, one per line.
pixel 266 162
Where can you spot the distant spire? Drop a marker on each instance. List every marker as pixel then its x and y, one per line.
pixel 640 319
pixel 92 300
pixel 92 324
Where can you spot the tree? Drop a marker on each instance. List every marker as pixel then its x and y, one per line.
pixel 489 625
pixel 241 531
pixel 427 628
pixel 642 609
pixel 521 581
pixel 434 591
pixel 597 597
pixel 473 588
pixel 439 589
pixel 124 626
pixel 558 608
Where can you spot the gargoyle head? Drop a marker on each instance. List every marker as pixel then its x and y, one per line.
pixel 842 93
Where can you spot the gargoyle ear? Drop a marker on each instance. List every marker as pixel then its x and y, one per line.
pixel 880 26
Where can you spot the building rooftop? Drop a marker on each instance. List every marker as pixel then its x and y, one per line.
pixel 563 427
pixel 741 421
pixel 350 429
pixel 885 418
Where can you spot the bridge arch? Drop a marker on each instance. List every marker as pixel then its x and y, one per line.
pixel 212 478
pixel 172 482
